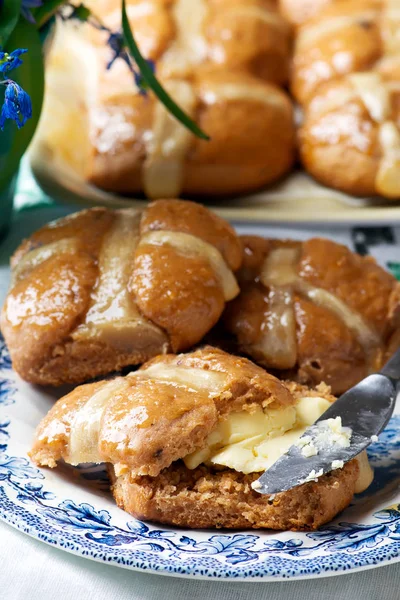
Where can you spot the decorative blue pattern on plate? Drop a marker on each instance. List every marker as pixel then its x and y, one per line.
pixel 72 509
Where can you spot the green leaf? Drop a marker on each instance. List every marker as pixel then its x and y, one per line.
pixel 9 14
pixel 30 76
pixel 153 83
pixel 46 11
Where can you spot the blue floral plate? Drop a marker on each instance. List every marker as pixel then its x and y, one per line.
pixel 72 509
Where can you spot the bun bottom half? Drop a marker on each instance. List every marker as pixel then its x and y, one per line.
pixel 206 499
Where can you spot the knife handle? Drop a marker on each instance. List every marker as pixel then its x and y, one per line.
pixel 392 368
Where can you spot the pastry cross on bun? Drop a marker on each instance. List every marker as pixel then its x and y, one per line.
pixel 102 289
pixel 186 435
pixel 315 311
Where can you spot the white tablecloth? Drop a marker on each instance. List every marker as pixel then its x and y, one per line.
pixel 31 570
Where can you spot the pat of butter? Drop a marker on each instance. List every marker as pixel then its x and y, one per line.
pixel 309 409
pixel 241 456
pixel 243 425
pixel 252 442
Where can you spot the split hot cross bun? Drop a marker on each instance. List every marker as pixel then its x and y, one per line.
pixel 102 289
pixel 221 60
pixel 315 311
pixel 186 435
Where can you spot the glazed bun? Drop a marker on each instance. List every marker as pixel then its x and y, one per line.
pixel 177 399
pixel 102 289
pixel 346 75
pixel 314 311
pixel 159 427
pixel 241 114
pixel 350 136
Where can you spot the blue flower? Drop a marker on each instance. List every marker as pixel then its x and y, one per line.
pixel 117 45
pixel 26 8
pixel 11 61
pixel 17 104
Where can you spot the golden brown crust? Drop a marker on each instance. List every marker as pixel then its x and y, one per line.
pixel 154 296
pixel 247 383
pixel 40 312
pixel 256 45
pixel 327 348
pixel 152 423
pixel 357 280
pixel 196 302
pixel 87 227
pixel 240 156
pixel 206 499
pixel 194 218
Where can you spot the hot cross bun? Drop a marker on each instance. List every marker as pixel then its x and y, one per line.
pixel 350 137
pixel 102 289
pixel 314 311
pixel 346 73
pixel 186 435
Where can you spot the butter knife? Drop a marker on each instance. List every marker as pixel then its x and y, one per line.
pixel 365 409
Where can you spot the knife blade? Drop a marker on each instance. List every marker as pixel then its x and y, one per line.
pixel 364 411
